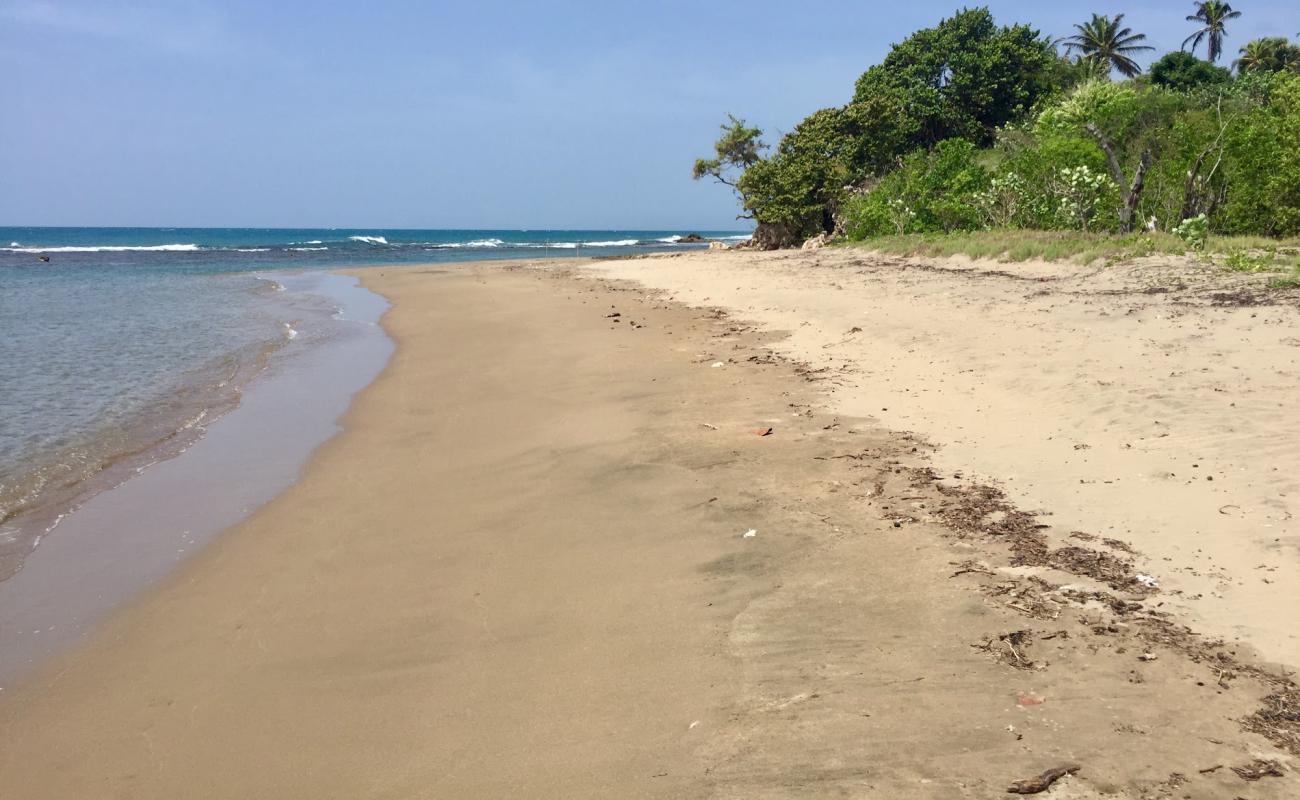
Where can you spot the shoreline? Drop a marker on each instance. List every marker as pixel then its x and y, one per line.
pixel 120 539
pixel 526 567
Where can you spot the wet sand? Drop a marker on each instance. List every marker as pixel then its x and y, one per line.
pixel 553 554
pixel 127 537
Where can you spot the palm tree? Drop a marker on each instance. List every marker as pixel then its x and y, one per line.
pixel 1104 42
pixel 1270 54
pixel 1211 14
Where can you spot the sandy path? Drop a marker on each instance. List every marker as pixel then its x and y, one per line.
pixel 1125 402
pixel 522 571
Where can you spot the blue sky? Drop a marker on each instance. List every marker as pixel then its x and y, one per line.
pixel 436 114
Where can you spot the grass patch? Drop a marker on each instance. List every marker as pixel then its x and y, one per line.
pixel 1251 253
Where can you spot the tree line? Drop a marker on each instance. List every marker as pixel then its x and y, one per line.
pixel 971 125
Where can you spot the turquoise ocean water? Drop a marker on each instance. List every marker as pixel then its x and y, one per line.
pixel 118 345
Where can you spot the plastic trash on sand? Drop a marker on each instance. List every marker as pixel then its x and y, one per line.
pixel 1147 580
pixel 749 534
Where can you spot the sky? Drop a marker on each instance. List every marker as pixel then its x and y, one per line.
pixel 482 114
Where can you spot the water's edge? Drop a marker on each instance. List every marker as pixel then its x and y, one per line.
pixel 127 537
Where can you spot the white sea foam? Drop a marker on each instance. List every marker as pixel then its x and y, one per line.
pixel 171 248
pixel 303 249
pixel 14 244
pixel 369 239
pixel 618 243
pixel 313 241
pixel 252 249
pixel 474 243
pixel 289 332
pixel 670 239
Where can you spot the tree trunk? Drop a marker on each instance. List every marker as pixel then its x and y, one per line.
pixel 1130 193
pixel 1134 194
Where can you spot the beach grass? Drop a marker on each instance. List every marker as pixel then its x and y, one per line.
pixel 1242 253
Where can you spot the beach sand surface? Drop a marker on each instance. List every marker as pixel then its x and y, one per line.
pixel 578 541
pixel 1151 402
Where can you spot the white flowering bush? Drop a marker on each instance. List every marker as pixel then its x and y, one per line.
pixel 1080 193
pixel 1003 202
pixel 900 214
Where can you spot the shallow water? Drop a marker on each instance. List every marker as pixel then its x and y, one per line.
pixel 125 538
pixel 121 348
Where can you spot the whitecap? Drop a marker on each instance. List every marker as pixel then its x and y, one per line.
pixel 670 239
pixel 618 243
pixel 304 249
pixel 251 249
pixel 172 248
pixel 369 239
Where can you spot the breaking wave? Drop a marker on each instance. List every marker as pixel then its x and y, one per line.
pixel 369 239
pixel 157 248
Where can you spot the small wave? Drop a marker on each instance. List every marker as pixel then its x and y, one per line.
pixel 617 243
pixel 313 241
pixel 670 239
pixel 306 249
pixel 474 243
pixel 252 249
pixel 369 239
pixel 171 248
pixel 14 244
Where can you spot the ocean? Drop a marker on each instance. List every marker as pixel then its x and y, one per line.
pixel 120 346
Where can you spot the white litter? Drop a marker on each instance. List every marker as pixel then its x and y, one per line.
pixel 750 534
pixel 693 724
pixel 717 364
pixel 1147 580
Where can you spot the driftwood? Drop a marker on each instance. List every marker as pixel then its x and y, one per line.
pixel 1042 781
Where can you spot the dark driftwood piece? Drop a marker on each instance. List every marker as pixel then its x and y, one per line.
pixel 1041 782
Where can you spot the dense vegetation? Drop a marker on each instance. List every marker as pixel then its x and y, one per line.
pixel 970 125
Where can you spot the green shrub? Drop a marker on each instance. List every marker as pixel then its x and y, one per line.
pixel 933 191
pixel 1194 231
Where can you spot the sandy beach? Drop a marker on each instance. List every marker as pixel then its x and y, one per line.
pixel 739 526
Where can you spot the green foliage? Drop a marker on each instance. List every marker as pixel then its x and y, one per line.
pixel 969 126
pixel 1248 261
pixel 963 78
pixel 1194 231
pixel 1262 163
pixel 800 185
pixel 1104 42
pixel 931 191
pixel 739 148
pixel 1271 54
pixel 1181 71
